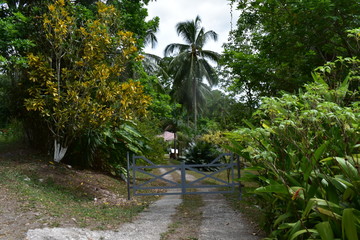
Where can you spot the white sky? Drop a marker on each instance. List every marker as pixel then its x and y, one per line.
pixel 215 15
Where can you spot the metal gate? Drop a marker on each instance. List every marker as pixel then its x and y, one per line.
pixel 184 186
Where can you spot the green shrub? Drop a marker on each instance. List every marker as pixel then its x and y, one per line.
pixel 13 132
pixel 202 153
pixel 4 102
pixel 106 149
pixel 304 159
pixel 156 146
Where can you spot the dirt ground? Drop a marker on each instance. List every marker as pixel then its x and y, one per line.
pixel 17 218
pixel 19 213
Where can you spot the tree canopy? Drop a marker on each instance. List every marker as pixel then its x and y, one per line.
pixel 277 43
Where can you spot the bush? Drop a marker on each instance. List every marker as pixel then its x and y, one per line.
pixel 304 159
pixel 202 153
pixel 13 132
pixel 106 149
pixel 4 96
pixel 156 146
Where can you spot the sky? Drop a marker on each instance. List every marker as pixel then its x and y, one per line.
pixel 215 15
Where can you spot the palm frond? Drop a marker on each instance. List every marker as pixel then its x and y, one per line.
pixel 151 38
pixel 152 57
pixel 211 55
pixel 203 37
pixel 188 30
pixel 202 92
pixel 211 35
pixel 208 72
pixel 175 48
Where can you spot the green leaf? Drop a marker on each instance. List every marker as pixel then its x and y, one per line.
pixel 279 188
pixel 249 124
pixel 318 79
pixel 306 168
pixel 286 226
pixel 309 206
pixel 254 168
pixel 298 233
pixel 340 186
pixel 323 203
pixel 313 189
pixel 294 227
pixel 282 218
pixel 344 86
pixel 292 179
pixel 348 194
pixel 325 231
pixel 319 152
pixel 328 213
pixel 343 181
pixel 348 168
pixel 325 160
pixel 348 225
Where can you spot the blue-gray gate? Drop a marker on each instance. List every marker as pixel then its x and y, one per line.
pixel 140 164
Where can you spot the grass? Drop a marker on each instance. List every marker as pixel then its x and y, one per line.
pixel 187 219
pixel 62 196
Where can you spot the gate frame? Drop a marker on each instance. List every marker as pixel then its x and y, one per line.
pixel 183 185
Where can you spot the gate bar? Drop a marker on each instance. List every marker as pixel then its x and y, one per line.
pixel 184 184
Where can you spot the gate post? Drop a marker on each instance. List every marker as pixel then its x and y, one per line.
pixel 239 175
pixel 183 177
pixel 128 175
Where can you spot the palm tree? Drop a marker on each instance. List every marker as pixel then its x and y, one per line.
pixel 191 65
pixel 150 37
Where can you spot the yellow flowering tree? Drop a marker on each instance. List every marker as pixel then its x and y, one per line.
pixel 75 85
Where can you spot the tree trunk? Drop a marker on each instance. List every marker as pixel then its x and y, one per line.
pixel 59 151
pixel 195 104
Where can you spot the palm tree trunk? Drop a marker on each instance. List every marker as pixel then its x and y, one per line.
pixel 195 103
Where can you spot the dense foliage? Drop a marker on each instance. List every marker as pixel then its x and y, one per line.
pixel 202 153
pixel 277 43
pixel 76 86
pixel 74 61
pixel 304 159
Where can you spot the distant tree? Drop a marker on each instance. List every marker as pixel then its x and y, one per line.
pixel 190 65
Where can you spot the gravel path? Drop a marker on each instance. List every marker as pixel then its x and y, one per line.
pixel 220 222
